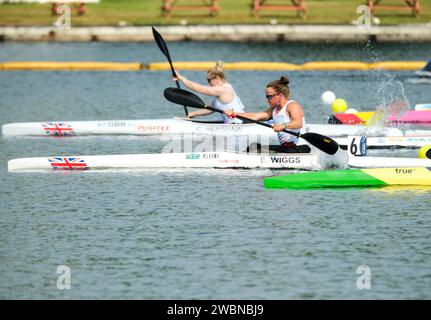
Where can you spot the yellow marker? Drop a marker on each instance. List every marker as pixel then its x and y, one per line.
pixel 425 152
pixel 339 106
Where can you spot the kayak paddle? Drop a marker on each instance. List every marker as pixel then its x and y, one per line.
pixel 186 98
pixel 164 48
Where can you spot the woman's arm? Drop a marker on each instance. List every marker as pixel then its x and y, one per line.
pixel 296 115
pixel 215 91
pixel 258 116
pixel 202 112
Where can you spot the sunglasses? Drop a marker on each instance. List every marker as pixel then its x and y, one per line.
pixel 270 96
pixel 209 79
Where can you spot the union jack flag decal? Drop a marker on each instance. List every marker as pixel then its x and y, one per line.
pixel 68 163
pixel 57 129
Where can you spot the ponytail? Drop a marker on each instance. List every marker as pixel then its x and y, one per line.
pixel 217 71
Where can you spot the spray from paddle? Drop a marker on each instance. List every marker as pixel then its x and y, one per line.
pixel 339 160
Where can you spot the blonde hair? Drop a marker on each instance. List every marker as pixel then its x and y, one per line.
pixel 216 71
pixel 280 86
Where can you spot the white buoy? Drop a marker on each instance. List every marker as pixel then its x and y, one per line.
pixel 351 110
pixel 328 97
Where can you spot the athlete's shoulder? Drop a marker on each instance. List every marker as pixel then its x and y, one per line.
pixel 293 104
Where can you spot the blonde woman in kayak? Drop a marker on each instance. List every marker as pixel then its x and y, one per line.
pixel 285 113
pixel 225 97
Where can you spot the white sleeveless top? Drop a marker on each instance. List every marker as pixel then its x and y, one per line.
pixel 282 118
pixel 236 105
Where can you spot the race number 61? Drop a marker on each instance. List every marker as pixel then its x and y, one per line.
pixel 357 146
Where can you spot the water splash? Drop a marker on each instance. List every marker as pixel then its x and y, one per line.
pixel 389 95
pixel 340 160
pixel 393 101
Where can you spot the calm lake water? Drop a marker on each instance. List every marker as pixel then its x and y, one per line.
pixel 199 234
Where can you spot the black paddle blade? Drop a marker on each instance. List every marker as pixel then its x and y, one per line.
pixel 321 142
pixel 164 48
pixel 184 98
pixel 161 43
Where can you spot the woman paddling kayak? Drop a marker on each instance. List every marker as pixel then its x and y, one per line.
pixel 225 95
pixel 285 113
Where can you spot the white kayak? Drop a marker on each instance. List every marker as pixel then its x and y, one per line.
pixel 169 161
pixel 220 160
pixel 181 126
pixel 175 126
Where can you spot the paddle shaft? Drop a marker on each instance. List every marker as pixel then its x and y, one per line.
pixel 254 121
pixel 176 81
pixel 187 98
pixel 172 69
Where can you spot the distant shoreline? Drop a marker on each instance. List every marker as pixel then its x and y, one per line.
pixel 233 33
